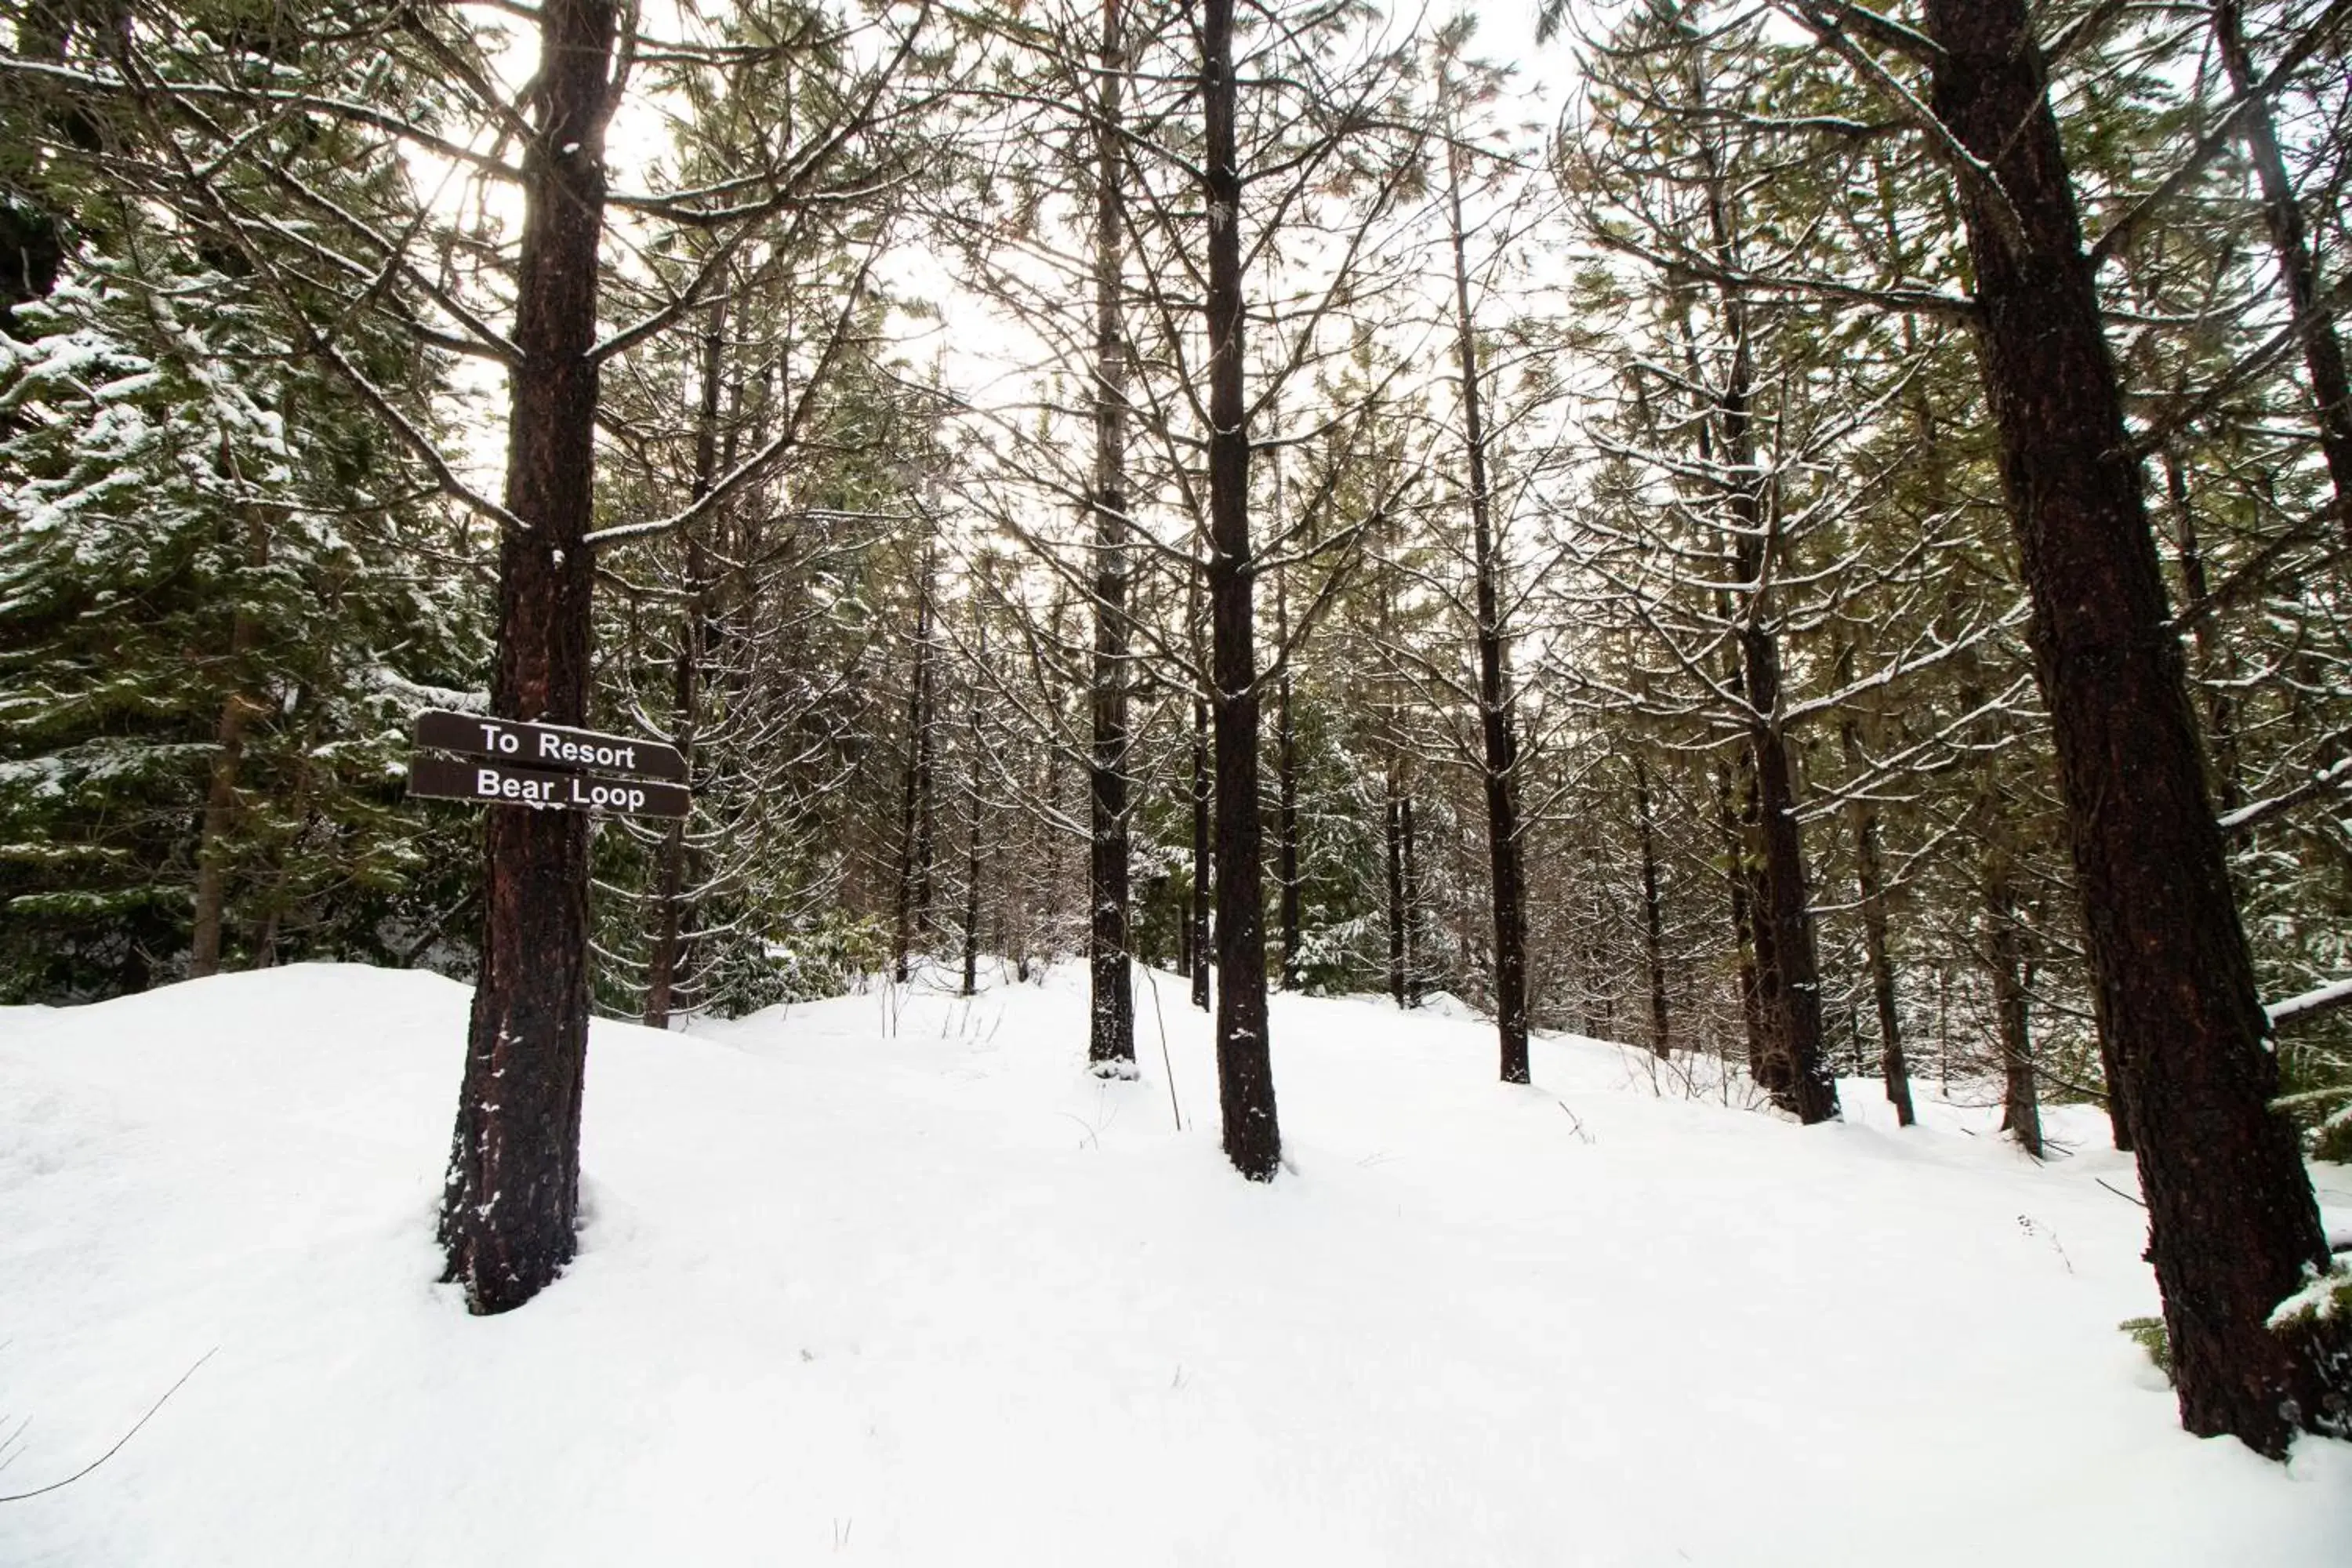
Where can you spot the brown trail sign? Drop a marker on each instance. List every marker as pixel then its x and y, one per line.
pixel 488 781
pixel 547 745
pixel 509 764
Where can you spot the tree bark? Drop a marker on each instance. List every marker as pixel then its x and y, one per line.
pixel 238 712
pixel 671 913
pixel 511 1200
pixel 1253 1139
pixel 1498 736
pixel 1197 917
pixel 1870 884
pixel 1734 820
pixel 1392 832
pixel 2005 957
pixel 1811 1090
pixel 220 810
pixel 911 916
pixel 1654 929
pixel 1286 792
pixel 971 815
pixel 1110 1040
pixel 1416 974
pixel 2213 658
pixel 2232 1222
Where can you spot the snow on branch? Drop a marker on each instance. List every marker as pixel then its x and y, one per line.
pixel 2321 999
pixel 2253 815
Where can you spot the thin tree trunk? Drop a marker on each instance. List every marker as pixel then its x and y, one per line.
pixel 1787 970
pixel 1870 884
pixel 1653 928
pixel 1416 980
pixel 2233 1225
pixel 1197 917
pixel 2020 1105
pixel 911 915
pixel 1498 736
pixel 220 810
pixel 238 710
pixel 1286 792
pixel 1740 884
pixel 2006 959
pixel 2323 352
pixel 670 912
pixel 2213 658
pixel 1253 1138
pixel 971 817
pixel 1393 830
pixel 1111 1042
pixel 1784 924
pixel 509 1206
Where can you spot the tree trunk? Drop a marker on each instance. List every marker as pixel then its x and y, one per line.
pixel 1197 917
pixel 1870 883
pixel 509 1206
pixel 1811 1090
pixel 2020 1105
pixel 1654 929
pixel 2322 353
pixel 2213 660
pixel 2233 1225
pixel 1416 979
pixel 670 904
pixel 1795 1069
pixel 1498 737
pixel 1253 1138
pixel 220 810
pixel 1111 1042
pixel 1393 831
pixel 972 806
pixel 1286 792
pixel 1740 884
pixel 911 915
pixel 237 712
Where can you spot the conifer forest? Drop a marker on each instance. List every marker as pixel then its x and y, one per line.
pixel 1811 539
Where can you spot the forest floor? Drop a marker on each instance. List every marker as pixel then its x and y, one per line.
pixel 890 1279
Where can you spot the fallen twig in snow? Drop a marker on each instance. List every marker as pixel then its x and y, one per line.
pixel 53 1485
pixel 1166 1065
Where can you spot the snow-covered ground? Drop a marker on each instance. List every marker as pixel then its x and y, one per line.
pixel 892 1280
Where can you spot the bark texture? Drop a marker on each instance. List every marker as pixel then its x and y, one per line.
pixel 1253 1139
pixel 672 904
pixel 1653 928
pixel 1196 918
pixel 2232 1222
pixel 912 914
pixel 511 1199
pixel 1110 1039
pixel 1497 735
pixel 1870 883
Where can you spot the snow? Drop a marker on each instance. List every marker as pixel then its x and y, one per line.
pixel 893 1279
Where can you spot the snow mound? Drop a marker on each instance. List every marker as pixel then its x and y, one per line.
pixel 893 1279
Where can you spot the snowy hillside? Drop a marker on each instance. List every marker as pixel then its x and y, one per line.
pixel 890 1280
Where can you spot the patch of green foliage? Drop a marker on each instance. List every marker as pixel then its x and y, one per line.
pixel 2150 1335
